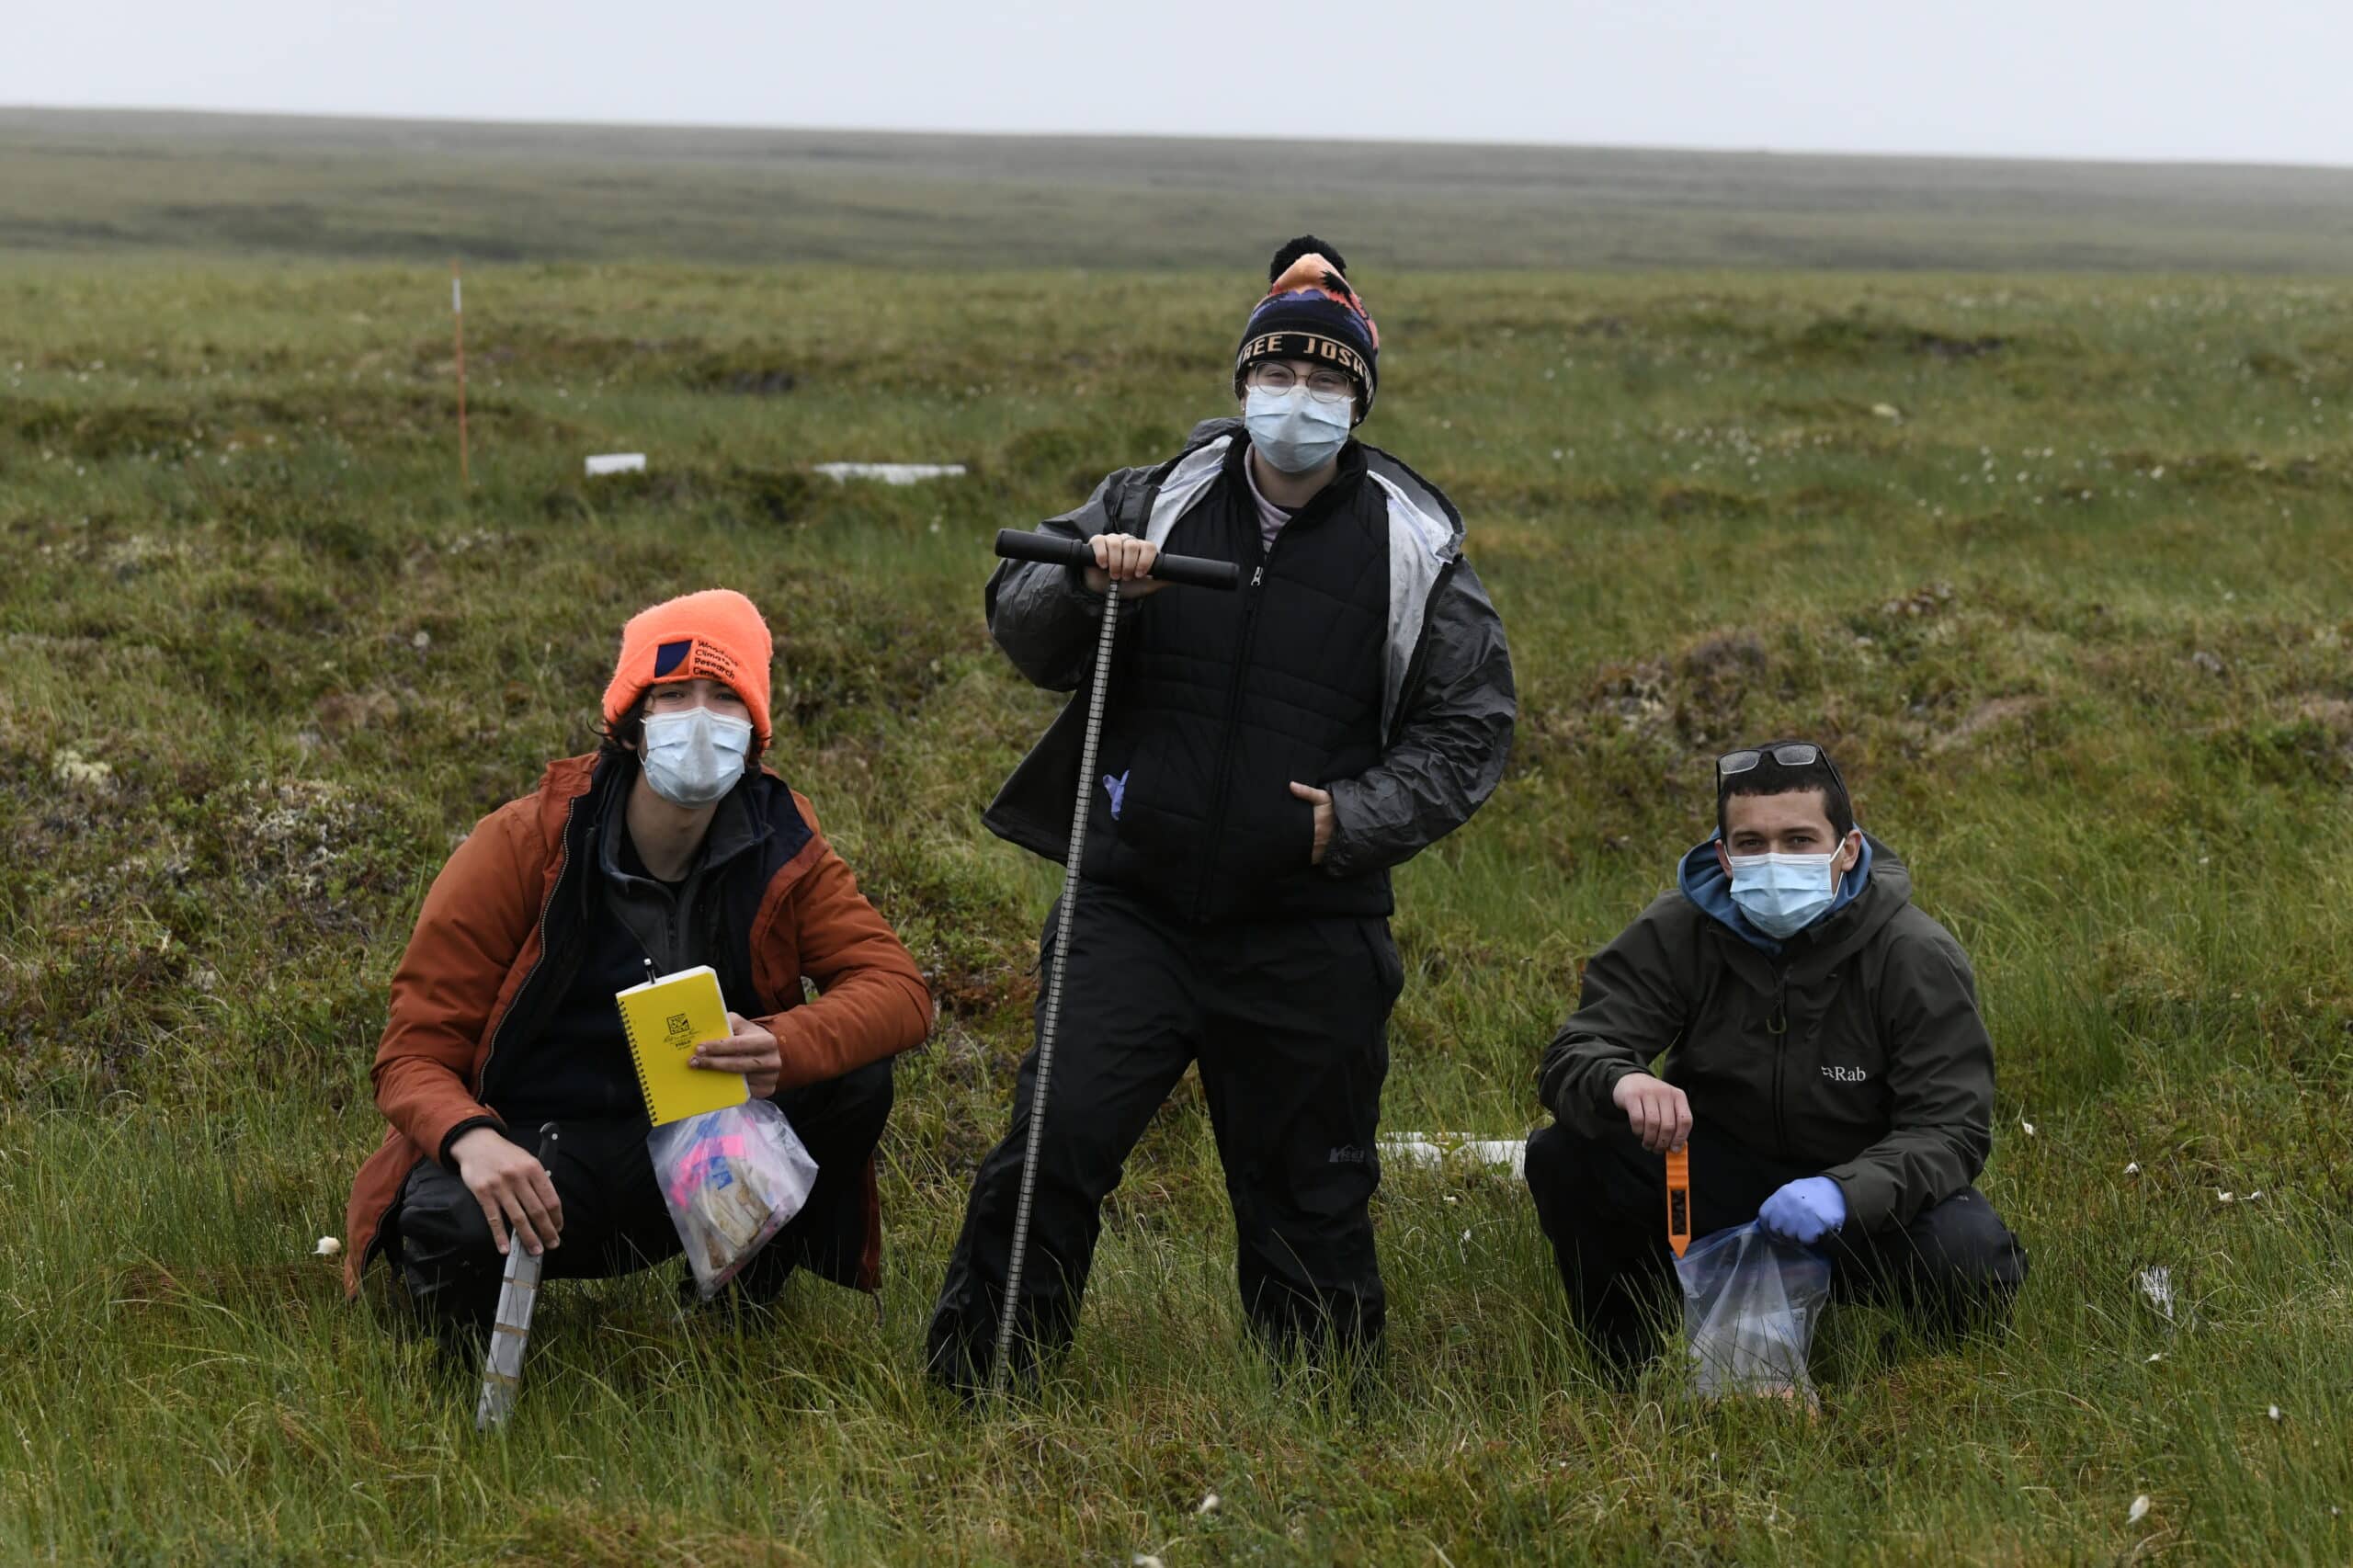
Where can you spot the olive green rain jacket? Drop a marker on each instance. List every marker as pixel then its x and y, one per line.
pixel 1854 1047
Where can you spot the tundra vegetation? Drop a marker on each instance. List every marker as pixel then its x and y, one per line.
pixel 2058 565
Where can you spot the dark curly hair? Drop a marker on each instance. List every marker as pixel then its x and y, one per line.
pixel 622 737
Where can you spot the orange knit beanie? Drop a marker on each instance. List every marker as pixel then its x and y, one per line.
pixel 717 633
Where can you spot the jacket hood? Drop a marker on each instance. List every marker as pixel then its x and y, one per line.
pixel 1880 884
pixel 1209 431
pixel 1434 519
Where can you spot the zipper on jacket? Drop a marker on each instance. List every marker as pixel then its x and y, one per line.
pixel 1777 1023
pixel 1257 596
pixel 562 865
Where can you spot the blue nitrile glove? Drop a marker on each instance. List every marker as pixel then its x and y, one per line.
pixel 1804 1212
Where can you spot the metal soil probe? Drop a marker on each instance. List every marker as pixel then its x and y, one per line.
pixel 1019 545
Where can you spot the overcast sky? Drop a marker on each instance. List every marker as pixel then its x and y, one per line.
pixel 2259 80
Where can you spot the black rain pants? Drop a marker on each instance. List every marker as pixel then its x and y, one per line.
pixel 1603 1205
pixel 614 1219
pixel 1288 1021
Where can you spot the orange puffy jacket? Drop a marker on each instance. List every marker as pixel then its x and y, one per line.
pixel 484 930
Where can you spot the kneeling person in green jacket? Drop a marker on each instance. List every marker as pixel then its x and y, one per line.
pixel 1826 1064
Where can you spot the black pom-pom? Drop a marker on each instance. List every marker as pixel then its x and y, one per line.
pixel 1306 244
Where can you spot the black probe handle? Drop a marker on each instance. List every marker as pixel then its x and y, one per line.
pixel 1020 544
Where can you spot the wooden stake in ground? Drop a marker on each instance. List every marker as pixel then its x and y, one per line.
pixel 457 319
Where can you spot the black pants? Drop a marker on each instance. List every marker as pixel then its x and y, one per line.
pixel 614 1219
pixel 1289 1021
pixel 1603 1204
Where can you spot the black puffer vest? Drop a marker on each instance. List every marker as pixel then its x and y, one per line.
pixel 1219 700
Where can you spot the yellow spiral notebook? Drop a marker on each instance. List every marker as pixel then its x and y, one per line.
pixel 665 1019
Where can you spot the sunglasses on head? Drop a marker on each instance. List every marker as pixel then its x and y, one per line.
pixel 1792 753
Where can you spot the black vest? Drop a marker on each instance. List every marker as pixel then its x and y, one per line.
pixel 1220 701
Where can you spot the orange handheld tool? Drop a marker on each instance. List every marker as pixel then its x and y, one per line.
pixel 1679 1198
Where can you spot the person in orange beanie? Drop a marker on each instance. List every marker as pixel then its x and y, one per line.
pixel 671 846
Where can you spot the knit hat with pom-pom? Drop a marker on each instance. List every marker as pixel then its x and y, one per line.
pixel 1309 312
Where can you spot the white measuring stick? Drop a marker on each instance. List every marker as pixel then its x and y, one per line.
pixel 518 1292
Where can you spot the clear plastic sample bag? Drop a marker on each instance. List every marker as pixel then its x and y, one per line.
pixel 733 1178
pixel 1750 1303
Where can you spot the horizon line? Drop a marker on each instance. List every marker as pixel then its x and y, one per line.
pixel 1033 134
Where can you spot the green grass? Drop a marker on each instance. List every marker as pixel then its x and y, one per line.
pixel 2072 606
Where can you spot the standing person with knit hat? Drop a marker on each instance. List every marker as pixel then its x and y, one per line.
pixel 1266 757
pixel 670 847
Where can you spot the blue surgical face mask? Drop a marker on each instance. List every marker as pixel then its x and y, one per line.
pixel 1783 895
pixel 693 759
pixel 1295 432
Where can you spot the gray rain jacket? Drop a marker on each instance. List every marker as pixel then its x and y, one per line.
pixel 1448 701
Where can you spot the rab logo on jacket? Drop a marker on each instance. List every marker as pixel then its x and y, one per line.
pixel 1844 1074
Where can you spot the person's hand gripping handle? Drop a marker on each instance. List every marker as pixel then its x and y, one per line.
pixel 513 1187
pixel 1136 563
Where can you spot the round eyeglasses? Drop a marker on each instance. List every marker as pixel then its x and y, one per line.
pixel 1323 386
